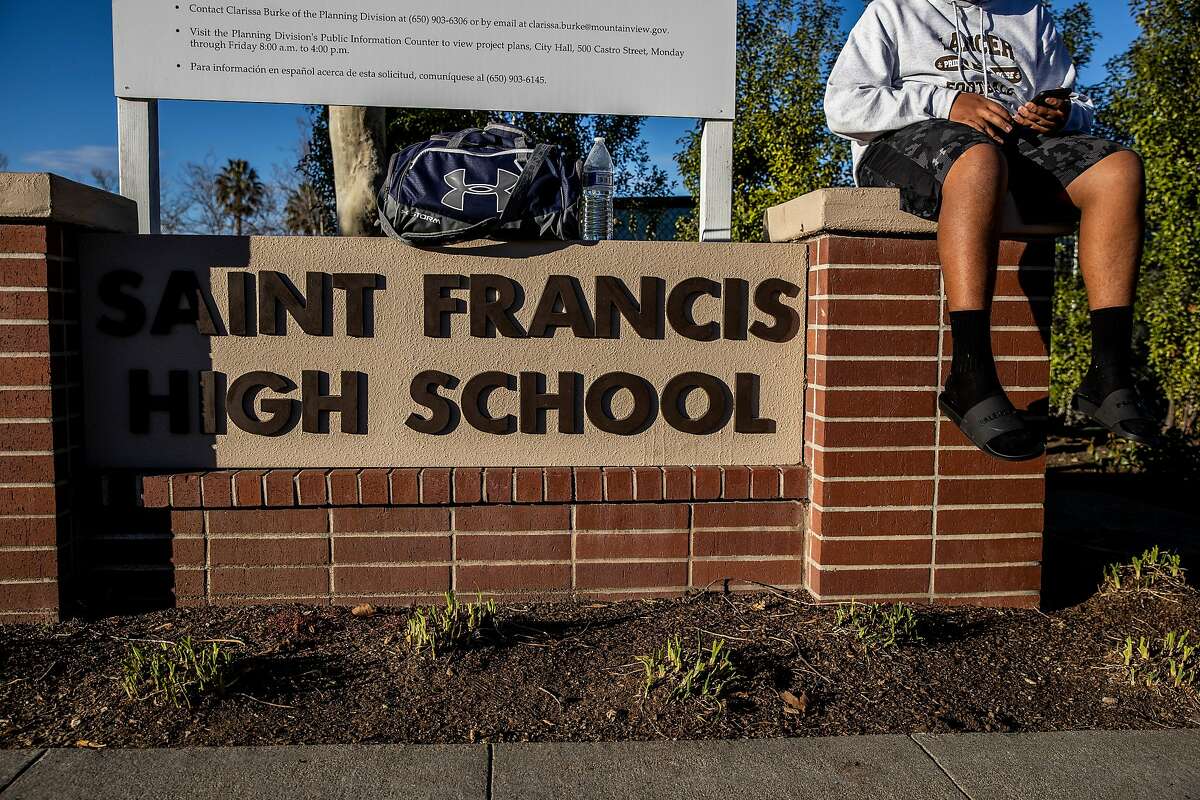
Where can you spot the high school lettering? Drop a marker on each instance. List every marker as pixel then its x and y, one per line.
pixel 485 306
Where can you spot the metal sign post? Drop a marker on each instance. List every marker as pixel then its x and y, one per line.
pixel 716 181
pixel 137 141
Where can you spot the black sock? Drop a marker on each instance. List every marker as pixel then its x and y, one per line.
pixel 973 368
pixel 1112 335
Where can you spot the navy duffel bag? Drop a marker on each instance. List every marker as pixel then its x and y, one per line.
pixel 488 182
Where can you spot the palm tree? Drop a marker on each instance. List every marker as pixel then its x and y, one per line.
pixel 304 213
pixel 239 192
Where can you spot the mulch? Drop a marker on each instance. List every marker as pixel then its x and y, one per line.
pixel 568 671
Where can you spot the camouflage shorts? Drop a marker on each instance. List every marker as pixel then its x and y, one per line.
pixel 918 157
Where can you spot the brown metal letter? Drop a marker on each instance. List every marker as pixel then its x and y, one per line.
pixel 747 419
pixel 644 315
pixel 443 413
pixel 535 401
pixel 358 287
pixel 280 410
pixel 317 404
pixel 674 409
pixel 787 319
pixel 679 309
pixel 198 309
pixel 111 295
pixel 474 402
pixel 564 290
pixel 276 290
pixel 176 402
pixel 599 403
pixel 439 305
pixel 495 316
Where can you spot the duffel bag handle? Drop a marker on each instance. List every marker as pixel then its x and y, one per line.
pixel 521 139
pixel 519 136
pixel 532 167
pixel 461 136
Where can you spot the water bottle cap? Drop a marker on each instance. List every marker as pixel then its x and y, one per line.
pixel 598 139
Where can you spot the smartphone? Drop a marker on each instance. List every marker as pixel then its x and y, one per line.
pixel 1058 94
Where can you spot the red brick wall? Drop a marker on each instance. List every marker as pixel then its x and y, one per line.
pixel 406 535
pixel 898 505
pixel 40 422
pixel 904 506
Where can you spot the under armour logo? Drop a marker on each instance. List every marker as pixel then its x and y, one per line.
pixel 459 189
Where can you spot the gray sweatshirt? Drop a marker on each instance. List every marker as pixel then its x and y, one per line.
pixel 902 64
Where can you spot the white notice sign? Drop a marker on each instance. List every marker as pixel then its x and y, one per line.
pixel 671 58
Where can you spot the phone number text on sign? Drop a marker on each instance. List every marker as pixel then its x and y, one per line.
pixel 540 55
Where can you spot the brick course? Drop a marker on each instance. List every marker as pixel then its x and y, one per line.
pixel 220 552
pixel 903 505
pixel 41 431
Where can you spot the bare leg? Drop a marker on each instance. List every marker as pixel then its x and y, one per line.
pixel 968 244
pixel 968 227
pixel 1110 197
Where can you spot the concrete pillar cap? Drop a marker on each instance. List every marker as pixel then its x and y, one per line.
pixel 45 197
pixel 873 212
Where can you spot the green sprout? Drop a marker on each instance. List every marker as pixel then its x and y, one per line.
pixel 175 673
pixel 879 626
pixel 1171 661
pixel 435 629
pixel 699 672
pixel 1154 570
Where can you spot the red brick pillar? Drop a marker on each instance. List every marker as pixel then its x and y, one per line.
pixel 41 423
pixel 903 505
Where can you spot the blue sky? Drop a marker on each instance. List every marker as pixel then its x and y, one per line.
pixel 56 59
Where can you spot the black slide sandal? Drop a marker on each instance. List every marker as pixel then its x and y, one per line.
pixel 988 419
pixel 1119 407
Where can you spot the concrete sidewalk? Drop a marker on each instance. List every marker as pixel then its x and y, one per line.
pixel 1164 765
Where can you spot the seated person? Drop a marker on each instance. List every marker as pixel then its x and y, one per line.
pixel 958 104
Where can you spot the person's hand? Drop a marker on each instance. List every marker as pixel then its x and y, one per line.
pixel 1048 118
pixel 986 116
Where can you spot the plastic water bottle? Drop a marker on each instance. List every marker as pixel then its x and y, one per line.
pixel 598 193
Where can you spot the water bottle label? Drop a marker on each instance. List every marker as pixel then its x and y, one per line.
pixel 597 180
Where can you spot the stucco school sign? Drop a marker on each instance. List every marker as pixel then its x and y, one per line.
pixel 294 352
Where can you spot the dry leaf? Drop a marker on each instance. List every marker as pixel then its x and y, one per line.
pixel 89 744
pixel 794 704
pixel 365 610
pixel 759 605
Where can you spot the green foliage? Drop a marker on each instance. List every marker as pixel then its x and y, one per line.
pixel 306 214
pixel 176 673
pixel 436 629
pixel 1077 26
pixel 239 192
pixel 1171 311
pixel 1154 570
pixel 1171 661
pixel 316 165
pixel 1151 101
pixel 688 672
pixel 1175 454
pixel 1071 344
pixel 781 145
pixel 879 626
